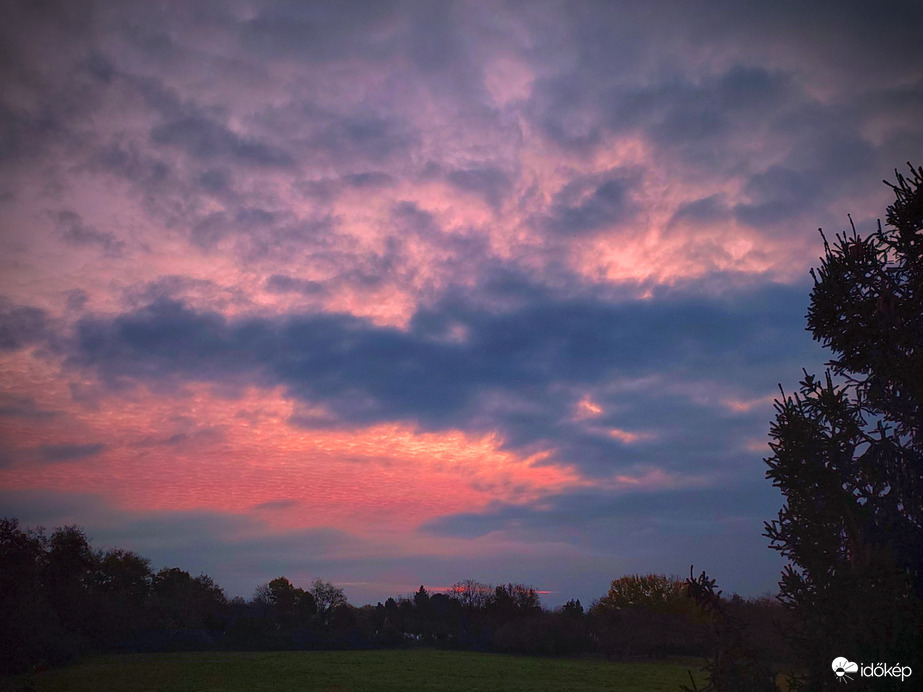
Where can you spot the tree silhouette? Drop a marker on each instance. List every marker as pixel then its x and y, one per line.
pixel 655 592
pixel 327 598
pixel 60 599
pixel 291 606
pixel 648 615
pixel 28 622
pixel 68 575
pixel 182 602
pixel 735 665
pixel 848 453
pixel 472 594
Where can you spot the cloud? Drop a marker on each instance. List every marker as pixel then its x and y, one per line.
pixel 205 138
pixel 368 179
pixel 704 211
pixel 75 232
pixel 277 283
pixel 520 370
pixel 674 510
pixel 359 136
pixel 189 435
pixel 317 32
pixel 77 299
pixel 127 162
pixel 24 407
pixel 191 290
pixel 489 182
pixel 591 205
pixel 21 325
pixel 69 452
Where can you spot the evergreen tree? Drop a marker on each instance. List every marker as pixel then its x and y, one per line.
pixel 848 453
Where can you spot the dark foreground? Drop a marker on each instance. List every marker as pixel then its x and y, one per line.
pixel 343 671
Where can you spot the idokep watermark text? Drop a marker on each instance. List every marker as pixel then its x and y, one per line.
pixel 846 670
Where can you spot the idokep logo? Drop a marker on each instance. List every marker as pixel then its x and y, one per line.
pixel 843 668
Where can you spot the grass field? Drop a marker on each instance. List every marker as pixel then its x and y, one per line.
pixel 342 671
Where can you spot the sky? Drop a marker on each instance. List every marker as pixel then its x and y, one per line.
pixel 403 293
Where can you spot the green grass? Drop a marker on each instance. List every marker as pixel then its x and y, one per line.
pixel 342 671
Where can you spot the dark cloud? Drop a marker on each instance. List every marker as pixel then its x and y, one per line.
pixel 21 133
pixel 185 288
pixel 410 218
pixel 489 183
pixel 591 205
pixel 24 407
pixel 69 452
pixel 365 136
pixel 191 435
pixel 368 179
pixel 258 232
pixel 778 194
pixel 506 372
pixel 74 232
pixel 206 138
pixel 278 283
pixel 214 180
pixel 127 162
pixel 757 102
pixel 350 139
pixel 325 190
pixel 319 31
pixel 697 115
pixel 76 299
pixel 581 511
pixel 707 210
pixel 291 239
pixel 209 230
pixel 21 325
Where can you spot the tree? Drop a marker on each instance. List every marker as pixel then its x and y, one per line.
pixel 847 452
pixel 121 587
pixel 327 598
pixel 290 606
pixel 421 600
pixel 70 568
pixel 572 608
pixel 647 615
pixel 471 594
pixel 183 602
pixel 123 573
pixel 735 665
pixel 512 600
pixel 654 592
pixel 28 623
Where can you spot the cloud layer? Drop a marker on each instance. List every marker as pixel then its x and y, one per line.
pixel 418 287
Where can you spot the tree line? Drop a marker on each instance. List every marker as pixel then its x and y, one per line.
pixel 61 599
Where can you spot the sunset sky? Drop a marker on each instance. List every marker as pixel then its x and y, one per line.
pixel 396 293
